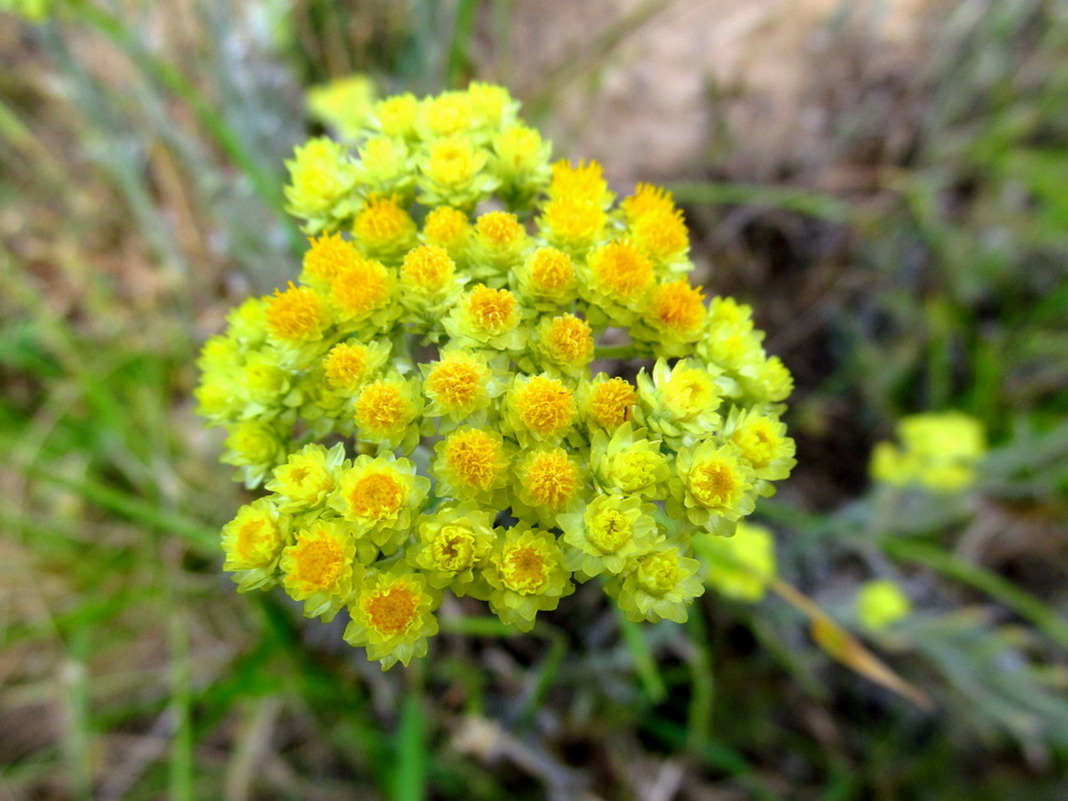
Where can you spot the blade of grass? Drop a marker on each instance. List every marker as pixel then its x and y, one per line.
pixel 73 679
pixel 802 201
pixel 702 685
pixel 181 748
pixel 173 80
pixel 644 663
pixel 1027 606
pixel 130 507
pixel 410 775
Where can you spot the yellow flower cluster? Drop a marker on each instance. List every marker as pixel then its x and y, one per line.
pixel 940 451
pixel 491 378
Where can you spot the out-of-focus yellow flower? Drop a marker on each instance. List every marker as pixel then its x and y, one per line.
pixel 741 566
pixel 322 184
pixel 344 104
pixel 939 451
pixel 881 604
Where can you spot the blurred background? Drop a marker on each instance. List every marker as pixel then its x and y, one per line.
pixel 885 182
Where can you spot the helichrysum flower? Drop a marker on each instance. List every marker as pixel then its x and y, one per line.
pixel 630 462
pixel 452 546
pixel 526 574
pixel 379 496
pixel 546 279
pixel 461 383
pixel 539 409
pixel 608 535
pixel 320 567
pixel 660 586
pixel 252 543
pixel 881 603
pixel 680 402
pixel 549 483
pixel 606 403
pixel 307 478
pixel 388 412
pixel 716 487
pixel 741 566
pixel 940 451
pixel 384 229
pixel 392 616
pixel 444 400
pixel 472 464
pixel 487 317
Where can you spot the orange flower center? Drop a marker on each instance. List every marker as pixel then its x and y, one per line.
pixel 571 339
pixel 376 496
pixel 712 483
pixel 474 457
pixel 551 270
pixel 494 310
pixel 455 383
pixel 611 402
pixel 319 563
pixel 391 611
pixel 622 271
pixel 545 405
pixel 679 307
pixel 345 365
pixel 382 408
pixel 551 478
pixel 361 287
pixel 524 569
pixel 329 255
pixel 296 314
pixel 428 267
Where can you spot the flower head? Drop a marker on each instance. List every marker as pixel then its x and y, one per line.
pixel 608 535
pixel 452 546
pixel 716 489
pixel 379 496
pixel 252 543
pixel 392 616
pixel 320 567
pixel 526 575
pixel 539 408
pixel 550 482
pixel 472 463
pixel 307 478
pixel 661 585
pixel 458 297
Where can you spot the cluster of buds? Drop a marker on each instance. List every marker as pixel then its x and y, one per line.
pixel 491 379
